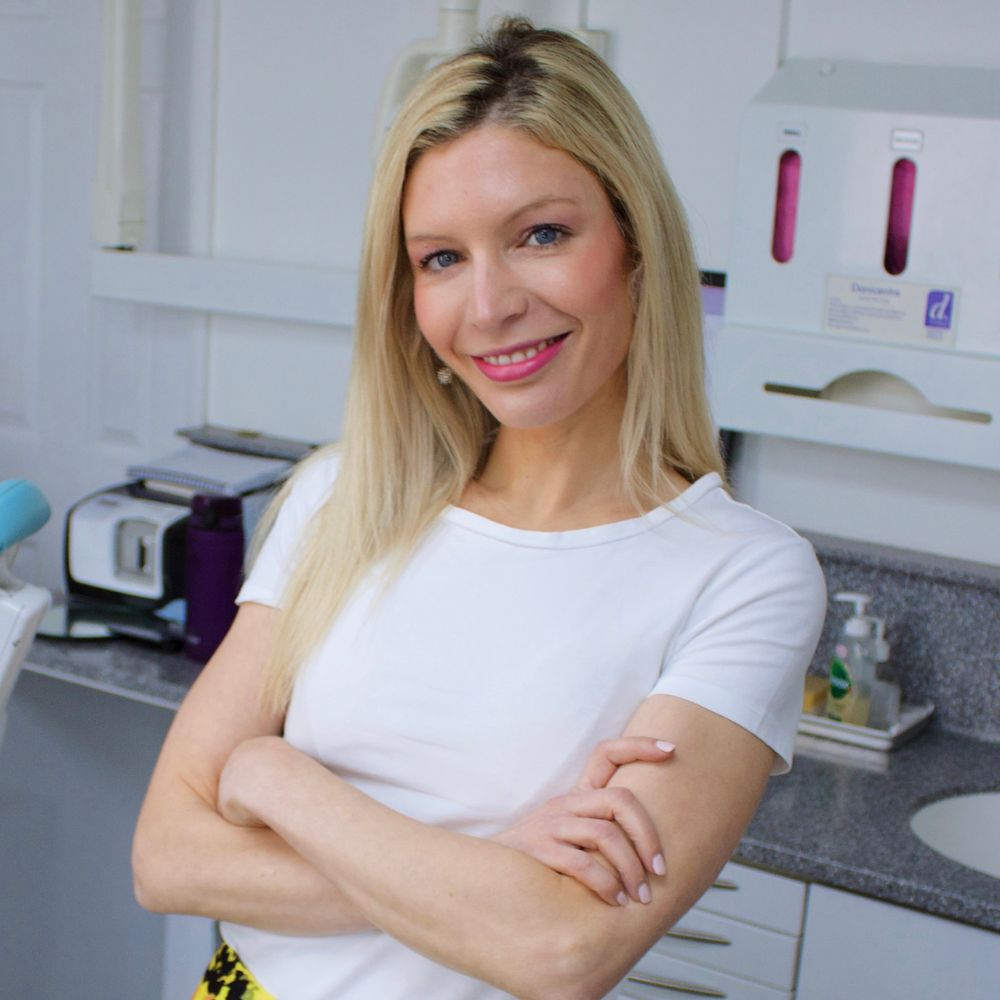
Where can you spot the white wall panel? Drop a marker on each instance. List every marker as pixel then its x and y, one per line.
pixel 177 389
pixel 151 124
pixel 692 67
pixel 299 83
pixel 146 379
pixel 120 375
pixel 915 32
pixel 287 380
pixel 298 88
pixel 155 10
pixel 23 8
pixel 947 510
pixel 21 111
pixel 188 137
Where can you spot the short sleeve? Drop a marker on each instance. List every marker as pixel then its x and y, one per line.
pixel 748 641
pixel 310 486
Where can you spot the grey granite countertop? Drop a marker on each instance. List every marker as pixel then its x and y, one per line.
pixel 118 666
pixel 828 821
pixel 847 826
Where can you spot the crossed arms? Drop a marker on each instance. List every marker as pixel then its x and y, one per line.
pixel 236 826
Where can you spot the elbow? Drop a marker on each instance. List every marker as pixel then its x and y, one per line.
pixel 568 964
pixel 145 883
pixel 146 896
pixel 150 874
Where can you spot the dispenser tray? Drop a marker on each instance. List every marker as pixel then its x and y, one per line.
pixel 912 718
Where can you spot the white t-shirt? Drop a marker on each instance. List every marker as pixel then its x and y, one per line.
pixel 474 688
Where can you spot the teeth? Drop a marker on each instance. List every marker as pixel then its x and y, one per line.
pixel 509 359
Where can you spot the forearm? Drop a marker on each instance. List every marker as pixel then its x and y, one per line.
pixel 474 905
pixel 188 859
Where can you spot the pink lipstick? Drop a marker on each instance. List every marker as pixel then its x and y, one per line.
pixel 521 361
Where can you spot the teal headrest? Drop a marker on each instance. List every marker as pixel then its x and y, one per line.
pixel 23 510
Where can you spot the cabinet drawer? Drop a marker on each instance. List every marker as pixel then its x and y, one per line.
pixel 731 946
pixel 667 978
pixel 757 897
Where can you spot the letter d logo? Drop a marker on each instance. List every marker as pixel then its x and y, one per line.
pixel 938 312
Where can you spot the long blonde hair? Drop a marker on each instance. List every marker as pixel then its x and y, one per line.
pixel 409 446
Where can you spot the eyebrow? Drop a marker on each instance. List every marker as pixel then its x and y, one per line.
pixel 543 202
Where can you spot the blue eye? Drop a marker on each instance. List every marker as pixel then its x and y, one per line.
pixel 546 236
pixel 439 260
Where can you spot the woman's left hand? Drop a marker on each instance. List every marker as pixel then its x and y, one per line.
pixel 244 774
pixel 569 833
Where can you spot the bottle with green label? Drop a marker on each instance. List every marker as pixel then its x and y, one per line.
pixel 852 667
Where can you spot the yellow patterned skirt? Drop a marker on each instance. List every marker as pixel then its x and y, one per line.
pixel 227 978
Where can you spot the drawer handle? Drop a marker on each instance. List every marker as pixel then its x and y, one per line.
pixel 705 937
pixel 691 989
pixel 724 883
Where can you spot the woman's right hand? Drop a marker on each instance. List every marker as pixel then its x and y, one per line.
pixel 573 833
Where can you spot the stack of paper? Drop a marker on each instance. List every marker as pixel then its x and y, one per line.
pixel 194 469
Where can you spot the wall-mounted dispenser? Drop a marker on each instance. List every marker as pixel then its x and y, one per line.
pixel 863 294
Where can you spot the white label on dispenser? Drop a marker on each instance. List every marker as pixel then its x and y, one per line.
pixel 890 310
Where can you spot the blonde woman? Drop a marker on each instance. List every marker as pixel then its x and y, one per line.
pixel 434 758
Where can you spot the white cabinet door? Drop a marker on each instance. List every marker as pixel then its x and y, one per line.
pixel 866 950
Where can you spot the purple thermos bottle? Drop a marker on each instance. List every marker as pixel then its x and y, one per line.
pixel 214 562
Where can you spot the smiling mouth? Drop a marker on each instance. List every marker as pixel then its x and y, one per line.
pixel 522 354
pixel 522 362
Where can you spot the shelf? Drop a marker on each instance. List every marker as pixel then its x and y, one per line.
pixel 300 294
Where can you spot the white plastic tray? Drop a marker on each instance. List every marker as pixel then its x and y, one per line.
pixel 912 718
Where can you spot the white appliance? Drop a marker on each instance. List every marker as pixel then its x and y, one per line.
pixel 124 546
pixel 863 301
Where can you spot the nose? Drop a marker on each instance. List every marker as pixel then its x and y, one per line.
pixel 497 295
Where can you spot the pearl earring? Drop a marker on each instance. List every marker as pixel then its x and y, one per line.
pixel 444 375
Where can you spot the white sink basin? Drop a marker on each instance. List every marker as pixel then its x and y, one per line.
pixel 965 828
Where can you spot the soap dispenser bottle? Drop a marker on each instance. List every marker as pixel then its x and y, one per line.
pixel 852 668
pixel 886 702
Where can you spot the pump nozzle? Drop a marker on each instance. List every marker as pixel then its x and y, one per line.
pixel 859 624
pixel 881 643
pixel 860 601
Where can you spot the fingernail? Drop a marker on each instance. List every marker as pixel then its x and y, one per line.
pixel 644 894
pixel 664 745
pixel 622 899
pixel 659 865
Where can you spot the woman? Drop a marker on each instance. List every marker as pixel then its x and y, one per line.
pixel 521 551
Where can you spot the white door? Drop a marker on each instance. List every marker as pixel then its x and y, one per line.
pixel 87 386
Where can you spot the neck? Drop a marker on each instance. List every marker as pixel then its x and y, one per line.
pixel 553 478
